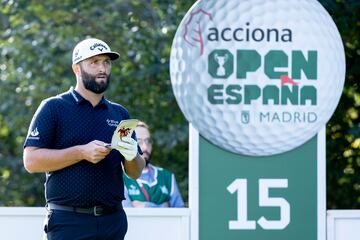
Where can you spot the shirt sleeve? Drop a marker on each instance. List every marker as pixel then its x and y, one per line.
pixel 176 200
pixel 42 127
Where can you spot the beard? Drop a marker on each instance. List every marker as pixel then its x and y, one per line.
pixel 90 83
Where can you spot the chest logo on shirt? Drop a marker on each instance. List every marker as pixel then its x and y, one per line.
pixel 112 123
pixel 134 190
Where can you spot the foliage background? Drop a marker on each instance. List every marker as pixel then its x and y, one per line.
pixel 36 41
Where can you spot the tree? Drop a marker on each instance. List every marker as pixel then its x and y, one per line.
pixel 343 132
pixel 37 38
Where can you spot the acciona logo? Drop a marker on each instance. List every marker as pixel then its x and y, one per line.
pixel 194 35
pixel 253 81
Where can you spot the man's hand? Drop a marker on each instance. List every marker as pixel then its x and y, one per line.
pixel 127 146
pixel 95 151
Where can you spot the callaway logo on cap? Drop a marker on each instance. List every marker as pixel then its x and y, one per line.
pixel 91 47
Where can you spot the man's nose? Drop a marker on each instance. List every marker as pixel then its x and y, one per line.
pixel 143 146
pixel 102 67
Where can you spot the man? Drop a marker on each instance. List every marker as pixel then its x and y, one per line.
pixel 156 187
pixel 67 139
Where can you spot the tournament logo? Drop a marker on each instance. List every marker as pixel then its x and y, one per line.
pixel 259 82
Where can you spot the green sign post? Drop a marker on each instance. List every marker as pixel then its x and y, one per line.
pixel 260 198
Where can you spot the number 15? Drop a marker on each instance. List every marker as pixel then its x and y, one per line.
pixel 242 222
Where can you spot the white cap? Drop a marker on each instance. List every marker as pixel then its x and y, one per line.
pixel 91 47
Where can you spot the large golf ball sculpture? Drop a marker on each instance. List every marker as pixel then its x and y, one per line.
pixel 257 77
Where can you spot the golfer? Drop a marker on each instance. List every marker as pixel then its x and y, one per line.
pixel 68 139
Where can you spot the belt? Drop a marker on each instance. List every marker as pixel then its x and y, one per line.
pixel 95 211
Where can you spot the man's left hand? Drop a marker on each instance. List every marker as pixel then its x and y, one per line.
pixel 127 146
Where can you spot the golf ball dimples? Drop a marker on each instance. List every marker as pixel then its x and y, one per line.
pixel 228 27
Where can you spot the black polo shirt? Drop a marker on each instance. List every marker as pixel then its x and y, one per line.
pixel 67 120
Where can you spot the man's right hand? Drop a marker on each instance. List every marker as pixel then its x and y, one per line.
pixel 95 151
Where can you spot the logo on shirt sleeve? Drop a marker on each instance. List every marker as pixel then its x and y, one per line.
pixel 34 134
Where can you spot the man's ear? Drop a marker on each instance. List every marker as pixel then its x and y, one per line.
pixel 76 69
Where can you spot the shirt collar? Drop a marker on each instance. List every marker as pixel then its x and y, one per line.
pixel 103 102
pixel 76 96
pixel 80 99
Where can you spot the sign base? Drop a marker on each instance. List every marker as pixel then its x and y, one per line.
pixel 242 197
